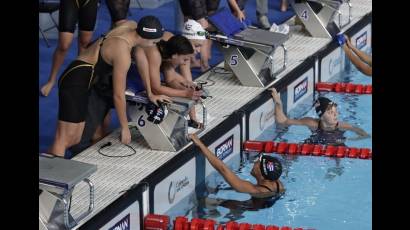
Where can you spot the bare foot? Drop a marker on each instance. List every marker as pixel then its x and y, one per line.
pixel 45 90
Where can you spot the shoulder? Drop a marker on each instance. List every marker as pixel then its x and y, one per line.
pixel 129 23
pixel 167 35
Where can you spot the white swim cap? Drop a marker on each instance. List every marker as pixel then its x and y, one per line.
pixel 193 30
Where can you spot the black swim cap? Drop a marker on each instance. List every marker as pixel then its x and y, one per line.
pixel 271 167
pixel 156 114
pixel 321 105
pixel 149 27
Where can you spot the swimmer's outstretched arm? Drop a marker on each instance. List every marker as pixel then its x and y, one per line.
pixel 282 119
pixel 233 180
pixel 362 55
pixel 360 65
pixel 360 132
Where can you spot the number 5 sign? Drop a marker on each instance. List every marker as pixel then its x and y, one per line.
pixel 233 61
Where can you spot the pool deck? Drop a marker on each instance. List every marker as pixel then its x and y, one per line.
pixel 117 174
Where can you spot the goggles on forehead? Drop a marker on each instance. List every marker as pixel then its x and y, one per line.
pixel 330 105
pixel 202 33
pixel 259 158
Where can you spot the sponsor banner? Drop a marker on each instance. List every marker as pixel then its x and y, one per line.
pixel 226 147
pixel 332 64
pixel 175 187
pixel 261 118
pixel 362 39
pixel 300 89
pixel 129 219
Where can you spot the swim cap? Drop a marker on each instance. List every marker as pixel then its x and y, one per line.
pixel 156 114
pixel 149 27
pixel 271 167
pixel 321 105
pixel 193 30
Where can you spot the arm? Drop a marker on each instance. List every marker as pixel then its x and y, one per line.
pixel 360 132
pixel 362 55
pixel 174 80
pixel 238 184
pixel 282 119
pixel 237 11
pixel 185 70
pixel 121 62
pixel 154 60
pixel 360 65
pixel 142 63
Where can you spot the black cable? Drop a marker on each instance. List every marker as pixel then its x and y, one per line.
pixel 216 70
pixel 109 144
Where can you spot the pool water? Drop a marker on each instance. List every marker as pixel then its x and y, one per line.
pixel 321 192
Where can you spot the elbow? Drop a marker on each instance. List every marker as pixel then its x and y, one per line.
pixel 282 121
pixel 117 97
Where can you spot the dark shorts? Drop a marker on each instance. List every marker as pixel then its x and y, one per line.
pixel 85 13
pixel 118 9
pixel 73 89
pixel 197 9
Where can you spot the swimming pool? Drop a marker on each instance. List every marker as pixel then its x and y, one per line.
pixel 322 192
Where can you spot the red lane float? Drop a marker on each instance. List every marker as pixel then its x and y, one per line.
pixel 340 87
pixel 307 149
pixel 161 222
pixel 157 222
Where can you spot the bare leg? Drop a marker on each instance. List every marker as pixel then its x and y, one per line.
pixel 284 5
pixel 102 130
pixel 195 63
pixel 84 39
pixel 205 55
pixel 64 43
pixel 67 135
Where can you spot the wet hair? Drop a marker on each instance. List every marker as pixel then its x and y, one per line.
pixel 177 44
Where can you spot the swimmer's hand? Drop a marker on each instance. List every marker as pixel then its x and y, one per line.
pixel 240 15
pixel 188 84
pixel 347 39
pixel 159 98
pixel 275 95
pixel 194 138
pixel 125 135
pixel 194 94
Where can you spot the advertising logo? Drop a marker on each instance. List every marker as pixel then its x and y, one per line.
pixel 225 149
pixel 334 64
pixel 300 89
pixel 175 187
pixel 264 118
pixel 361 41
pixel 123 224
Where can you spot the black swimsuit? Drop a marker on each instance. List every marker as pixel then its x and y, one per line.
pixel 198 9
pixel 327 137
pixel 82 11
pixel 73 89
pixel 118 9
pixel 277 187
